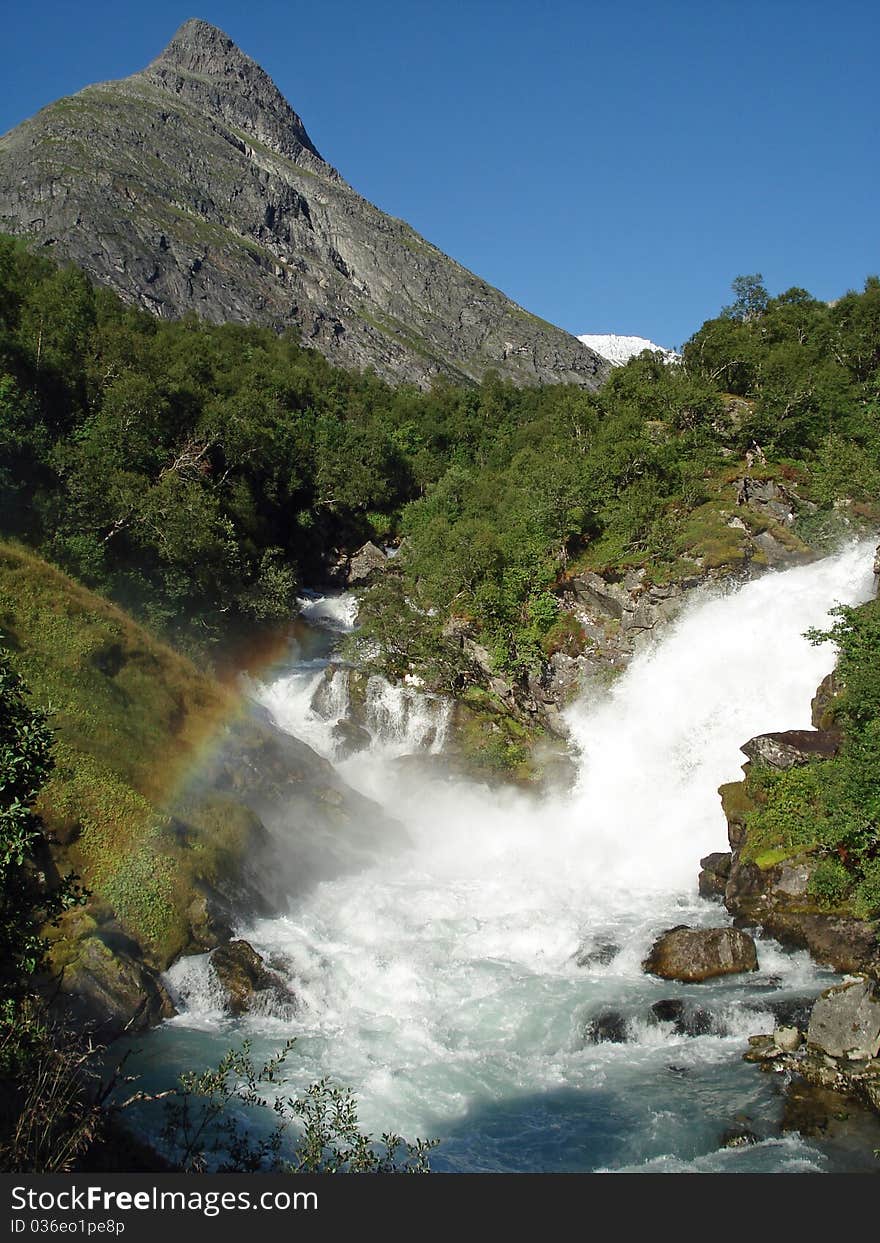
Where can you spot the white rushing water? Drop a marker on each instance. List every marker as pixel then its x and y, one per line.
pixel 443 984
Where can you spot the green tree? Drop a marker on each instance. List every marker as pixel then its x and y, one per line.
pixel 27 901
pixel 751 298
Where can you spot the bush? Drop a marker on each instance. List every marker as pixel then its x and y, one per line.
pixel 317 1133
pixel 830 883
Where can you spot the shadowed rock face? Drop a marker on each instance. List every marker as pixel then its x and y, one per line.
pixel 194 186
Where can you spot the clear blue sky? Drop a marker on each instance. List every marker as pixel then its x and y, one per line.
pixel 612 168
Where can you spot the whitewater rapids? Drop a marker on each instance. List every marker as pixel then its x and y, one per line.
pixel 442 983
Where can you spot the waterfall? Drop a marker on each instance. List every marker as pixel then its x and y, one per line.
pixel 405 720
pixel 443 983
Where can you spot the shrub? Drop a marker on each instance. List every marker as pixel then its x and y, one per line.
pixel 831 882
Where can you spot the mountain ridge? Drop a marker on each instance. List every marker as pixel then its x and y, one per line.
pixel 193 185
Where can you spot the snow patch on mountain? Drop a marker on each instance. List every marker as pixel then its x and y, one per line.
pixel 620 349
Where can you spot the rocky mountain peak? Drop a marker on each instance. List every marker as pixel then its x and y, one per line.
pixel 192 186
pixel 203 66
pixel 199 47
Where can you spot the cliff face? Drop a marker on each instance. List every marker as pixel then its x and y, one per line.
pixel 194 186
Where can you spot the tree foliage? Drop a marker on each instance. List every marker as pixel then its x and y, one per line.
pixel 28 901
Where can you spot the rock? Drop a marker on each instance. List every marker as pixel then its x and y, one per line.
pixel 738 1137
pixel 607 1027
pixel 792 747
pixel 208 925
pixel 846 1020
pixel 845 944
pixel 823 702
pixel 365 564
pixel 599 954
pixel 687 1020
pixel 714 874
pixel 775 896
pixel 695 954
pixel 350 738
pixel 763 1049
pixel 787 1038
pixel 194 186
pixel 809 1109
pixel 793 877
pixel 332 699
pixel 790 1011
pixel 766 497
pixel 243 975
pixel 288 817
pixel 107 989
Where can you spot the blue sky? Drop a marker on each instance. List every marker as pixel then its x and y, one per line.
pixel 612 169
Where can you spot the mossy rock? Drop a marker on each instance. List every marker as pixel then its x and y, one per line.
pixel 108 990
pixel 737 803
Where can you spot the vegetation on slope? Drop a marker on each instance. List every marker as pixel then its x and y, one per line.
pixel 195 474
pixel 831 808
pixel 129 716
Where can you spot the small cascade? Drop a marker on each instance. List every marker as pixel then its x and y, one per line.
pixel 404 720
pixel 331 698
pixel 335 612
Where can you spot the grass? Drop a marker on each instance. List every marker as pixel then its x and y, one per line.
pixel 131 717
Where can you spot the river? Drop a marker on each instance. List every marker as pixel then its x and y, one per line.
pixel 458 985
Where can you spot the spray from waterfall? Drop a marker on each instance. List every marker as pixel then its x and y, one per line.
pixel 453 980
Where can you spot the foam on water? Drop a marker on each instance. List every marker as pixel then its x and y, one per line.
pixel 442 983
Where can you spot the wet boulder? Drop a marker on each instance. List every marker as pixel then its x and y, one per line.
pixel 245 978
pixel 350 738
pixel 606 1027
pixel 738 1136
pixel 686 1020
pixel 842 942
pixel 845 1021
pixel 696 954
pixel 599 954
pixel 789 1011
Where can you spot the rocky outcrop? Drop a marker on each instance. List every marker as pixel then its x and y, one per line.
pixel 793 747
pixel 313 826
pixel 365 564
pixel 107 989
pixel 772 892
pixel 247 983
pixel 615 614
pixel 838 1052
pixel 824 702
pixel 194 186
pixel 845 1021
pixel 692 955
pixel 714 874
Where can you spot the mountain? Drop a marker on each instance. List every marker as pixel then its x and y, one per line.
pixel 619 349
pixel 194 186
